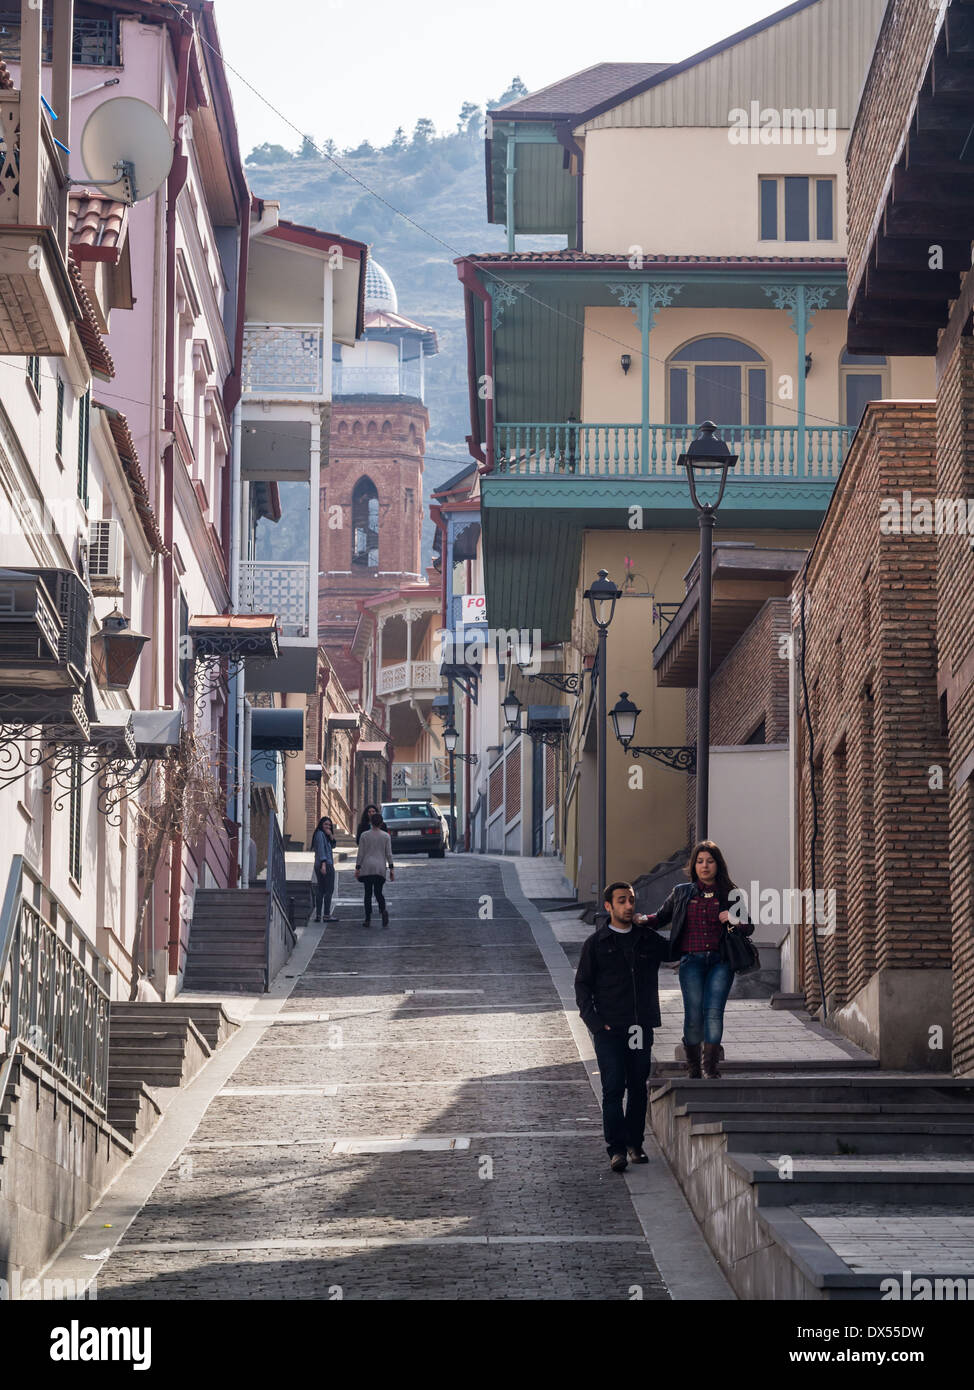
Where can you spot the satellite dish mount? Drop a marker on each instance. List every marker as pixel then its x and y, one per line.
pixel 130 137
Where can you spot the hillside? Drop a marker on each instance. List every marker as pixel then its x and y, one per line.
pixel 437 182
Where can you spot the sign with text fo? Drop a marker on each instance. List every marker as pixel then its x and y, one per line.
pixel 473 609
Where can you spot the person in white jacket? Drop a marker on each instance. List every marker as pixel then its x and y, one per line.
pixel 374 856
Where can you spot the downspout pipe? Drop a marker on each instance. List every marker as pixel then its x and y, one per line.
pixel 563 132
pixel 174 186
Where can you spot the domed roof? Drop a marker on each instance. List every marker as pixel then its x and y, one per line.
pixel 380 292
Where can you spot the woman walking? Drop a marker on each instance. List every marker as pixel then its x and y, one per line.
pixel 366 822
pixel 374 856
pixel 322 844
pixel 700 915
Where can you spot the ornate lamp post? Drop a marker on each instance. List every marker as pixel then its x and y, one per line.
pixel 602 597
pixel 450 740
pixel 708 453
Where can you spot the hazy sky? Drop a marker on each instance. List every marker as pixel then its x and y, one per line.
pixel 350 71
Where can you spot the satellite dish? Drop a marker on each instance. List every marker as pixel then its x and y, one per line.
pixel 126 146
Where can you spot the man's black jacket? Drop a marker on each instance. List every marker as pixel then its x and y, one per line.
pixel 617 978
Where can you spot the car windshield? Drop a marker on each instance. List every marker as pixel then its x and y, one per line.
pixel 406 810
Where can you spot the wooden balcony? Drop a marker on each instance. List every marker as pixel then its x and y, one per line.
pixel 409 676
pixel 37 301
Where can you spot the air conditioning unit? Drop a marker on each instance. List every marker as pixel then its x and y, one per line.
pixel 106 556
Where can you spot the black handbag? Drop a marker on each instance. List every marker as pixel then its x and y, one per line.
pixel 740 954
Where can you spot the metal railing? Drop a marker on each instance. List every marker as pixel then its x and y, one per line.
pixel 279 937
pixel 411 777
pixel 608 450
pixel 283 359
pixel 54 990
pixel 280 587
pixel 409 675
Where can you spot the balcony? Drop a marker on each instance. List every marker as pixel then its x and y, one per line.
pixel 785 452
pixel 37 302
pixel 406 379
pixel 280 587
pixel 409 675
pixel 412 780
pixel 283 359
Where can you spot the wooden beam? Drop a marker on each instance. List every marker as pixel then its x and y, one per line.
pixel 940 154
pixel 958 325
pixel 918 221
pixel 865 336
pixel 896 253
pixel 947 191
pixel 933 285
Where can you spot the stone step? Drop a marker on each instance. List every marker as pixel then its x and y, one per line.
pixel 132 1110
pixel 162 1056
pixel 850 1180
pixel 837 1136
pixel 826 1089
pixel 219 983
pixel 203 944
pixel 211 1019
pixel 738 1110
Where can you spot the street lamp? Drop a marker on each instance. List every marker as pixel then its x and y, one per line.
pixel 602 597
pixel 512 712
pixel 624 716
pixel 450 740
pixel 682 757
pixel 708 453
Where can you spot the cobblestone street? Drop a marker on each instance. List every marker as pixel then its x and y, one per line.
pixel 446 1033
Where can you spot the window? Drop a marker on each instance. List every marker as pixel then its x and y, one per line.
pixel 365 525
pixel 718 379
pixel 84 427
pixel 185 659
pixel 59 419
pixel 34 373
pixel 95 37
pixel 863 379
pixel 74 814
pixel 793 208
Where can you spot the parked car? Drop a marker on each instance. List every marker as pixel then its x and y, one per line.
pixel 415 825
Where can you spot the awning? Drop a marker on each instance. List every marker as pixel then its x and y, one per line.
pixel 343 721
pixel 373 750
pixel 156 731
pixel 312 772
pixel 114 734
pixel 547 717
pixel 235 634
pixel 274 730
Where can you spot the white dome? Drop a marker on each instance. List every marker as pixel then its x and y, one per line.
pixel 380 292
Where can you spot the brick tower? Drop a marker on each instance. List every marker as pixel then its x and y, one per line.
pixel 371 493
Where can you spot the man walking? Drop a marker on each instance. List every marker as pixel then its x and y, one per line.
pixel 617 990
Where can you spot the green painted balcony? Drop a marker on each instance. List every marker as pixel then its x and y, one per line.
pixel 596 450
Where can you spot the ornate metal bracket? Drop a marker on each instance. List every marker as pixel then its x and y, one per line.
pixel 567 684
pixel 465 757
pixel 682 759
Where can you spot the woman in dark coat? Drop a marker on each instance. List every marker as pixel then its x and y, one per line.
pixel 366 822
pixel 701 916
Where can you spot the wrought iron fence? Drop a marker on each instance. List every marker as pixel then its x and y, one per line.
pixel 54 995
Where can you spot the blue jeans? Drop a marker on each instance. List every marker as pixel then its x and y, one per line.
pixel 324 888
pixel 705 980
pixel 624 1071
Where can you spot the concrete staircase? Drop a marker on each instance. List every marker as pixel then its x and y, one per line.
pixel 784 1172
pixel 227 941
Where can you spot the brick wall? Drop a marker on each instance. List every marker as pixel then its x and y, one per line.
pixel 955 634
pixel 385 441
pixel 750 686
pixel 871 664
pixel 905 37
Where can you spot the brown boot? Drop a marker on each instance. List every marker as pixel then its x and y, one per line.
pixel 692 1051
pixel 711 1056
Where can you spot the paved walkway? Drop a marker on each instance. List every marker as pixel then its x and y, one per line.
pixel 410 1113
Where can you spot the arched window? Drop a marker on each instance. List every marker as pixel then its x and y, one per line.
pixel 719 379
pixel 365 525
pixel 862 379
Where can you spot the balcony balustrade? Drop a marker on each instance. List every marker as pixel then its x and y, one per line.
pixel 37 303
pixel 280 587
pixel 406 379
pixel 283 359
pixel 412 779
pixel 409 675
pixel 604 450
